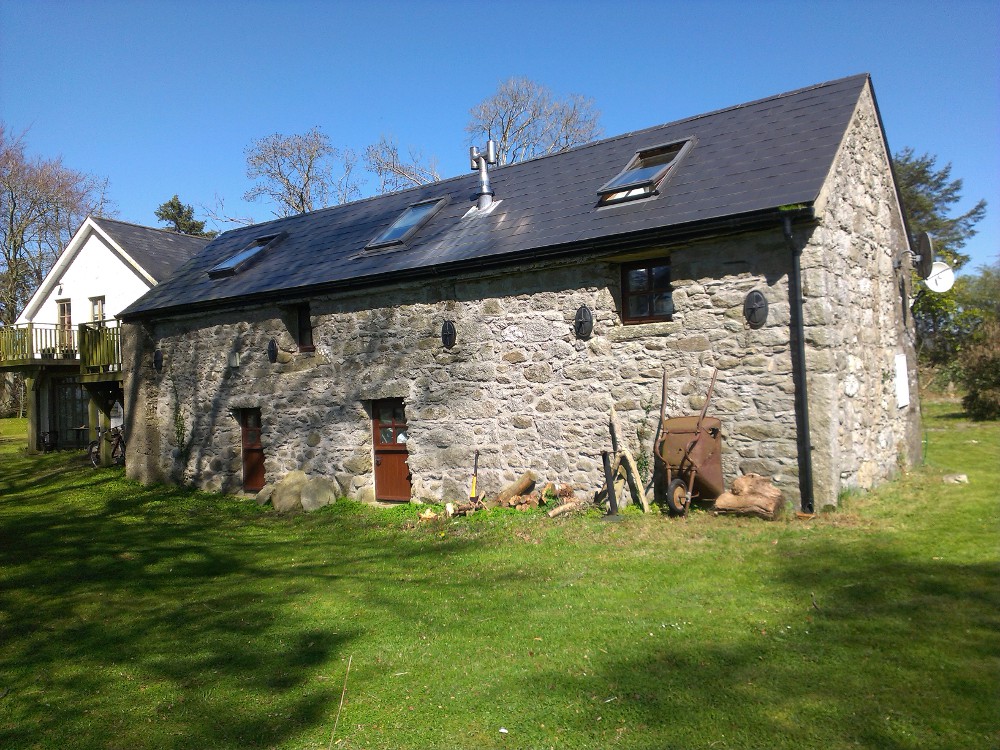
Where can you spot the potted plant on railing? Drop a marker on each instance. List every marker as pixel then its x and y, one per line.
pixel 49 352
pixel 69 353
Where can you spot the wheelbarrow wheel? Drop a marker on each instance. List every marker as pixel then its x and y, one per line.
pixel 677 497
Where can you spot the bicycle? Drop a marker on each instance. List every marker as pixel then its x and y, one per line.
pixel 116 436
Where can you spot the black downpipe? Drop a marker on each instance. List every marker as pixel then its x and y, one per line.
pixel 799 373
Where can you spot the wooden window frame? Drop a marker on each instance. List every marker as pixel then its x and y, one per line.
pixel 97 303
pixel 394 424
pixel 627 292
pixel 64 322
pixel 304 328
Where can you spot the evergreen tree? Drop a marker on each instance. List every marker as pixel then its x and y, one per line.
pixel 928 195
pixel 181 219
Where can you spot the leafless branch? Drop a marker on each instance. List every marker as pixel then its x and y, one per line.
pixel 393 173
pixel 300 173
pixel 525 120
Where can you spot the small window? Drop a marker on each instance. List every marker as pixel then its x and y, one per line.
pixel 646 292
pixel 643 173
pixel 304 329
pixel 64 312
pixel 245 257
pixel 408 222
pixel 96 309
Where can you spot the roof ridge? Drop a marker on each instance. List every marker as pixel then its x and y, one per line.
pixel 692 118
pixel 98 219
pixel 582 146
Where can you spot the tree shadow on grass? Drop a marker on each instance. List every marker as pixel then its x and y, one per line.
pixel 161 618
pixel 876 650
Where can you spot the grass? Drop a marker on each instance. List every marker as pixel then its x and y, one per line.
pixel 151 617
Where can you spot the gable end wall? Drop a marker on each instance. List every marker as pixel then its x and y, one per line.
pixel 857 320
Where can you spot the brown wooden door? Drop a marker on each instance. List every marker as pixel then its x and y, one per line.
pixel 253 451
pixel 392 474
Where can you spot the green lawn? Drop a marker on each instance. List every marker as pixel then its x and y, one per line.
pixel 134 617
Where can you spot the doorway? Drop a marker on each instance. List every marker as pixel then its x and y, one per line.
pixel 253 450
pixel 392 473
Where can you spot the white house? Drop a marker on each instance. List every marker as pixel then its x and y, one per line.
pixel 66 343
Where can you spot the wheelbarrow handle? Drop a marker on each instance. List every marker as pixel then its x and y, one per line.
pixel 708 398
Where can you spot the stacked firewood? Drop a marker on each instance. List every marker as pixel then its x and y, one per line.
pixel 520 495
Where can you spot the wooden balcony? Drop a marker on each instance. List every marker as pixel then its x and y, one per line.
pixel 38 345
pixel 92 349
pixel 100 351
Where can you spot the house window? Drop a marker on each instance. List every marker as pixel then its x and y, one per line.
pixel 96 309
pixel 65 322
pixel 643 174
pixel 245 257
pixel 408 222
pixel 646 292
pixel 303 328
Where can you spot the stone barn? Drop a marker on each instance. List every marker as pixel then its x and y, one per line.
pixel 380 343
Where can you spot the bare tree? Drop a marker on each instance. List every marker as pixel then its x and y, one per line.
pixel 219 216
pixel 42 203
pixel 526 120
pixel 393 173
pixel 300 173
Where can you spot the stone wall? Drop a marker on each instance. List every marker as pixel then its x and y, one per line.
pixel 523 390
pixel 857 320
pixel 518 385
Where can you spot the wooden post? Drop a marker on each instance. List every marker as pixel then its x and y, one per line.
pixel 31 411
pixel 93 415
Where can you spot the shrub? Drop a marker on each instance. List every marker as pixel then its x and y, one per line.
pixel 981 373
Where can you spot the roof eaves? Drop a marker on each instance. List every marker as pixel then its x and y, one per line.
pixel 600 246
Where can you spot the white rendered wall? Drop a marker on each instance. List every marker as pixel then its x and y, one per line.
pixel 96 271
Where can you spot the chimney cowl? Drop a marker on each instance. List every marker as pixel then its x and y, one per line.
pixel 479 160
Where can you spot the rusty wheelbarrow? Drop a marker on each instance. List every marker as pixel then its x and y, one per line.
pixel 691 451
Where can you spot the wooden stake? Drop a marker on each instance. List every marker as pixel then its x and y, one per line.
pixel 341 708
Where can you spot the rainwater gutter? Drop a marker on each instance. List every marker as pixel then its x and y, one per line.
pixel 804 442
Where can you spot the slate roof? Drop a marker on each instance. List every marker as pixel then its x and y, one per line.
pixel 746 159
pixel 158 251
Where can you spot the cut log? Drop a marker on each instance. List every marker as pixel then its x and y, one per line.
pixel 635 485
pixel 751 495
pixel 570 507
pixel 522 486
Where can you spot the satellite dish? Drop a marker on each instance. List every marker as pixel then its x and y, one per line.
pixel 925 255
pixel 941 278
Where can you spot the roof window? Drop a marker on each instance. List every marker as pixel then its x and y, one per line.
pixel 643 174
pixel 245 257
pixel 409 221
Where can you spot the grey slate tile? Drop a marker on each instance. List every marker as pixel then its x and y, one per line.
pixel 748 158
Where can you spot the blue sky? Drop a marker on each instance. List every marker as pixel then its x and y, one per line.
pixel 163 97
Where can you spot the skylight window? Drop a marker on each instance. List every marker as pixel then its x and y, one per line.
pixel 238 262
pixel 408 222
pixel 643 173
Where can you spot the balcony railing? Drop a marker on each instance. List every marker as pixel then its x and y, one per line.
pixel 37 341
pixel 100 347
pixel 96 347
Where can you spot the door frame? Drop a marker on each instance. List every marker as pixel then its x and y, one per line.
pixel 251 448
pixel 390 450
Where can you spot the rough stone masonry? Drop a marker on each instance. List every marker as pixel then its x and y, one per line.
pixel 522 389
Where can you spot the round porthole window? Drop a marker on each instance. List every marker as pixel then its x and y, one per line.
pixel 755 309
pixel 448 334
pixel 583 323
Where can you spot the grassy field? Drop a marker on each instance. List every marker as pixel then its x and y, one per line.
pixel 135 617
